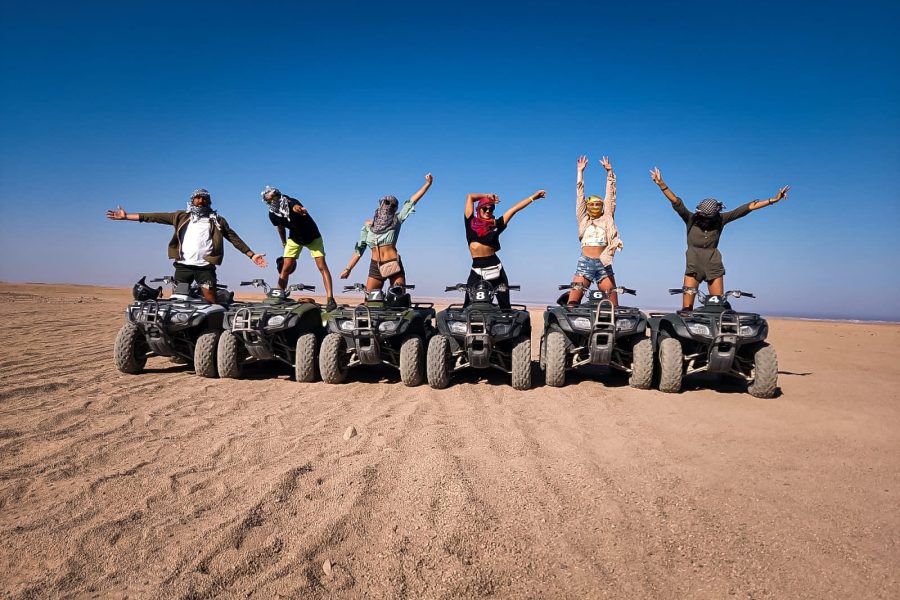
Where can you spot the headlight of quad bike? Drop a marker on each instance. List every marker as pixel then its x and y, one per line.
pixel 275 321
pixel 346 325
pixel 699 329
pixel 626 324
pixel 457 327
pixel 580 323
pixel 180 318
pixel 388 326
pixel 749 330
pixel 501 329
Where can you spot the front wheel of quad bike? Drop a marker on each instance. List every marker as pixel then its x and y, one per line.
pixel 131 349
pixel 230 356
pixel 333 358
pixel 671 361
pixel 205 354
pixel 412 371
pixel 641 364
pixel 305 358
pixel 765 372
pixel 521 365
pixel 438 362
pixel 555 359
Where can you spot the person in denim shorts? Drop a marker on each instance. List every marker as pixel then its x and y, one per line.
pixel 598 234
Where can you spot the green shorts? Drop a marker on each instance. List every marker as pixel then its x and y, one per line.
pixel 316 248
pixel 204 276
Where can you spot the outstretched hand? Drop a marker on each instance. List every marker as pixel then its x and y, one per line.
pixel 656 176
pixel 606 164
pixel 345 274
pixel 116 215
pixel 428 178
pixel 260 260
pixel 782 193
pixel 582 162
pixel 539 194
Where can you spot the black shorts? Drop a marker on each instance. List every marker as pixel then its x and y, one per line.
pixel 204 276
pixel 704 264
pixel 374 273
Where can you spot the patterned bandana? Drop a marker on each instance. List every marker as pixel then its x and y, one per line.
pixel 595 207
pixel 709 208
pixel 480 225
pixel 385 215
pixel 278 205
pixel 199 212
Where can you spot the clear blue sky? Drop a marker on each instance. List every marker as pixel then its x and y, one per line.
pixel 139 103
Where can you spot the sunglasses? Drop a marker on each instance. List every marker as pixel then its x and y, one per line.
pixel 487 209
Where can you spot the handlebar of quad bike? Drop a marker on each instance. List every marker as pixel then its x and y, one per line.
pixel 693 290
pixel 359 287
pixel 580 286
pixel 462 287
pixel 167 280
pixel 294 287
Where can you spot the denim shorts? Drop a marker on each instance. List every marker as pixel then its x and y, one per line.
pixel 592 269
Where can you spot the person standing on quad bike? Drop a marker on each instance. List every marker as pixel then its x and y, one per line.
pixel 197 244
pixel 704 228
pixel 287 212
pixel 380 234
pixel 483 235
pixel 598 235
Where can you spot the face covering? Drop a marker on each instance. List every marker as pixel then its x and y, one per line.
pixel 198 212
pixel 595 207
pixel 483 225
pixel 385 215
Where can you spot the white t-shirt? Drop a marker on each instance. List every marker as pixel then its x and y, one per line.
pixel 196 243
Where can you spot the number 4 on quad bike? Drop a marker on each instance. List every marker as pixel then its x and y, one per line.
pixel 183 326
pixel 596 333
pixel 278 328
pixel 716 339
pixel 481 335
pixel 387 328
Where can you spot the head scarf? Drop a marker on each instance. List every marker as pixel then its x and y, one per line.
pixel 385 215
pixel 202 211
pixel 278 205
pixel 480 225
pixel 597 211
pixel 709 208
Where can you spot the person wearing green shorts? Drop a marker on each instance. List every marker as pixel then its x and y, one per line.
pixel 289 214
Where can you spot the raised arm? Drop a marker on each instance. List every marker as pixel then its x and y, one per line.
pixel 418 195
pixel 358 250
pixel 781 195
pixel 522 204
pixel 580 205
pixel 470 202
pixel 609 201
pixel 656 176
pixel 165 218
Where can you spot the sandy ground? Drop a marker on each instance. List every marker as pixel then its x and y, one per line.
pixel 169 485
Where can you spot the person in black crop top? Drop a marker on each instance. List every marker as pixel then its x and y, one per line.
pixel 483 235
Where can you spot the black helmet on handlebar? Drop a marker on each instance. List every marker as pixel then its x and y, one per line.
pixel 141 291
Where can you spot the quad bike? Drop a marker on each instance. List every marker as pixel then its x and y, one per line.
pixel 481 335
pixel 275 329
pixel 183 326
pixel 596 333
pixel 387 328
pixel 716 339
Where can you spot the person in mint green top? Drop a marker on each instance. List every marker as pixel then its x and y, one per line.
pixel 380 234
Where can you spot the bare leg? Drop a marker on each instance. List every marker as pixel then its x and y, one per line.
pixel 687 300
pixel 373 284
pixel 326 275
pixel 716 286
pixel 606 285
pixel 208 294
pixel 286 269
pixel 398 279
pixel 576 294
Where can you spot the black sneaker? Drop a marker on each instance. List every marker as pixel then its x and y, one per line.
pixel 330 305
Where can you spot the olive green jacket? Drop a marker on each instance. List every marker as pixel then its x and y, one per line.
pixel 218 232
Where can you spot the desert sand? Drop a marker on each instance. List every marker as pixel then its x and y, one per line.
pixel 172 486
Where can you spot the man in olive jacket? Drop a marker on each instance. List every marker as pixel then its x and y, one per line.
pixel 197 245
